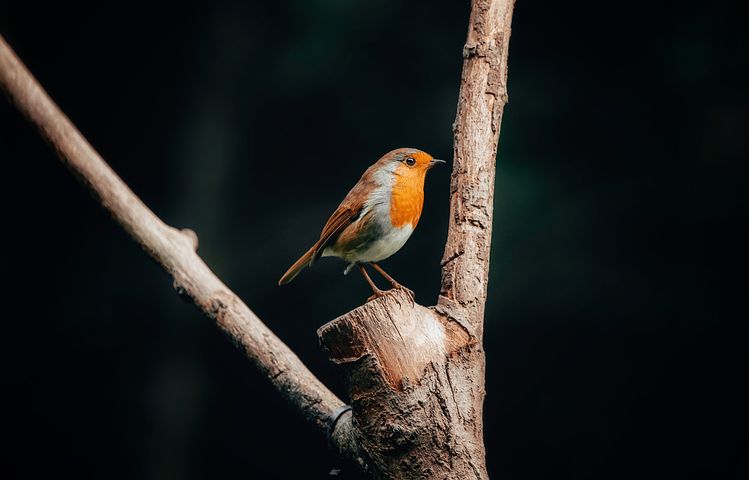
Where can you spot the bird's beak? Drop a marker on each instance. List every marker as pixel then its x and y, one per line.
pixel 435 161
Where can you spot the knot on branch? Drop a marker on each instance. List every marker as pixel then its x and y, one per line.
pixel 485 47
pixel 191 236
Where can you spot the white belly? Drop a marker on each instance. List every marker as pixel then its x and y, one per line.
pixel 384 246
pixel 376 250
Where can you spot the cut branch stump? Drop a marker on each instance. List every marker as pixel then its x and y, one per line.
pixel 414 383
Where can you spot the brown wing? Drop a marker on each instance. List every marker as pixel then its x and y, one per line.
pixel 347 212
pixel 341 218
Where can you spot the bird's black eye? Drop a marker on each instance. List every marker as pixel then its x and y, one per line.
pixel 410 161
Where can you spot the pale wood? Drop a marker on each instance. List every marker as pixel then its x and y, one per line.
pixel 403 348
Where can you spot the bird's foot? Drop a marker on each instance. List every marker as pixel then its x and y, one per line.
pixel 377 294
pixel 381 293
pixel 407 291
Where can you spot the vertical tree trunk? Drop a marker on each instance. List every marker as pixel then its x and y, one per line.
pixel 416 374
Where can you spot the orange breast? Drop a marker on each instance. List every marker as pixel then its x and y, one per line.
pixel 407 198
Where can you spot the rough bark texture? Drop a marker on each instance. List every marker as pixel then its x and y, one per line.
pixel 415 374
pixel 414 414
pixel 483 94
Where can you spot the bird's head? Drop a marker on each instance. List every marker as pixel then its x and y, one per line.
pixel 409 162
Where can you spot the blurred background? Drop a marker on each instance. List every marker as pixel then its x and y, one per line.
pixel 616 331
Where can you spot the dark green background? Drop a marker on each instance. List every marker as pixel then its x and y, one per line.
pixel 616 330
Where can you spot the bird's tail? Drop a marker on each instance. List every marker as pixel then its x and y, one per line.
pixel 304 261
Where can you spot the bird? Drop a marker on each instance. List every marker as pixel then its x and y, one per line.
pixel 375 219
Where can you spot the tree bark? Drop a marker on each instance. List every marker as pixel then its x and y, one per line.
pixel 414 389
pixel 415 374
pixel 483 95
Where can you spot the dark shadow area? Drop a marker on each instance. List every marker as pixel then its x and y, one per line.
pixel 617 336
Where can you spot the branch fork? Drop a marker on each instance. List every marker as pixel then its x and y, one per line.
pixel 415 374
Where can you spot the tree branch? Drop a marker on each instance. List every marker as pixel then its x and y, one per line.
pixel 483 94
pixel 173 249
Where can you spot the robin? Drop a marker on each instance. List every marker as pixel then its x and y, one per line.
pixel 376 218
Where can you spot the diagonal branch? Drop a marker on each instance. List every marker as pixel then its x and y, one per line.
pixel 173 249
pixel 483 94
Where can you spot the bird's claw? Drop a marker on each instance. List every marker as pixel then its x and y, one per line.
pixel 381 293
pixel 377 294
pixel 409 293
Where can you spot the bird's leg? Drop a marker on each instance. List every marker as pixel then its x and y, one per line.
pixel 377 292
pixel 392 281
